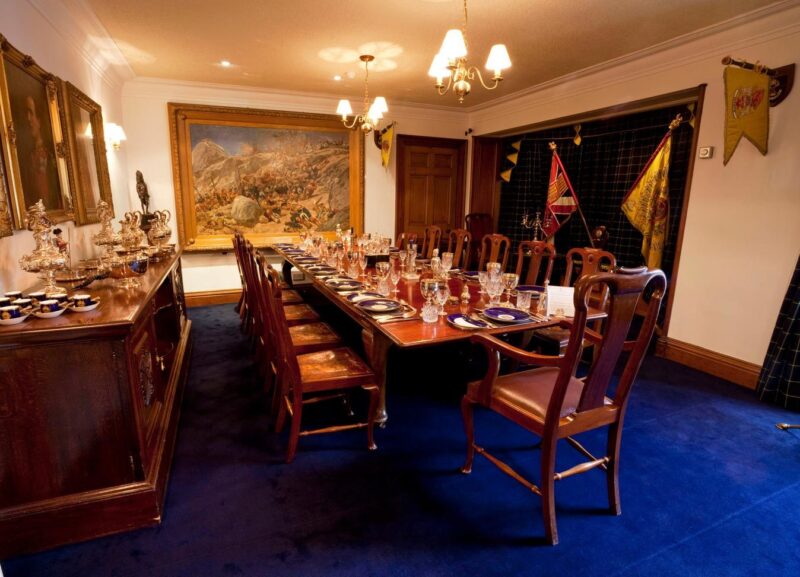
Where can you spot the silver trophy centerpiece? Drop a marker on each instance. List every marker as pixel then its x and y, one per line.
pixel 106 238
pixel 159 234
pixel 46 258
pixel 131 260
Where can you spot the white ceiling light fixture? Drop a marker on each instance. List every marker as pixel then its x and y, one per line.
pixel 368 120
pixel 451 63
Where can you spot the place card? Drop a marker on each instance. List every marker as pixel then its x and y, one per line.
pixel 560 301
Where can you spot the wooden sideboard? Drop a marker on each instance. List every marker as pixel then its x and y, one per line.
pixel 89 406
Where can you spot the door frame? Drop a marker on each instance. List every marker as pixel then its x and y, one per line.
pixel 406 140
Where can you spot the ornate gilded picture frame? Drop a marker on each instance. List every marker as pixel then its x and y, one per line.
pixel 268 174
pixel 6 222
pixel 33 145
pixel 82 119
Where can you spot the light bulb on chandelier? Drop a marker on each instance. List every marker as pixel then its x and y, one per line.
pixel 371 117
pixel 451 63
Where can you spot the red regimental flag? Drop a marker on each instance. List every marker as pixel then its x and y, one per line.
pixel 561 198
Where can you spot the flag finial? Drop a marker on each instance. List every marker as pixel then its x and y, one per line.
pixel 676 123
pixel 552 146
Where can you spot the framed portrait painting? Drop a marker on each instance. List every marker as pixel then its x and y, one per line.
pixel 33 148
pixel 82 121
pixel 268 174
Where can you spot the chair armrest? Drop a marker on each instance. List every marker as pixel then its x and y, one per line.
pixel 494 344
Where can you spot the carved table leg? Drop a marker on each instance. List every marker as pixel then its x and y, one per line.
pixel 376 346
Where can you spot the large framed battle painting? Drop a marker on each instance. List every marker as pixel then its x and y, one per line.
pixel 270 175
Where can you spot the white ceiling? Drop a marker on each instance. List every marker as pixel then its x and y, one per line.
pixel 300 45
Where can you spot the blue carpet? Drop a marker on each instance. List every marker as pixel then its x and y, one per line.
pixel 709 487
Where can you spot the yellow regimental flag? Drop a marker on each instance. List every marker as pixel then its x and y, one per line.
pixel 647 203
pixel 746 109
pixel 386 144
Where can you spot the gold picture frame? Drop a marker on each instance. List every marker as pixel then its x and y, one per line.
pixel 269 174
pixel 33 146
pixel 6 222
pixel 82 119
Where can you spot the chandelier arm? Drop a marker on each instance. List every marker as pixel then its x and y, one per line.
pixel 357 119
pixel 443 90
pixel 474 71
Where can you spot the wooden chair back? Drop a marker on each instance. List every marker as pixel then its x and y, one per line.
pixel 430 241
pixel 585 261
pixel 248 269
pixel 537 253
pixel 479 224
pixel 582 262
pixel 458 243
pixel 494 248
pixel 406 238
pixel 284 354
pixel 625 288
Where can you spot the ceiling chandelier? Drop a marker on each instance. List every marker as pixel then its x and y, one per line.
pixel 371 117
pixel 451 63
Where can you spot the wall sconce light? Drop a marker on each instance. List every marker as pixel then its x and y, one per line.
pixel 115 135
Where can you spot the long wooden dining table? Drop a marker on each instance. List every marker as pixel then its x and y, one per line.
pixel 378 337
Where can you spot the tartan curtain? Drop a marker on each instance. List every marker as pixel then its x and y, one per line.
pixel 602 170
pixel 779 381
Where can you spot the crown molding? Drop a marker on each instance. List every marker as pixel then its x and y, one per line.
pixel 218 93
pixel 661 47
pixel 76 22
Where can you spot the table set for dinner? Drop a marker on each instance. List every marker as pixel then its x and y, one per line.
pixel 406 302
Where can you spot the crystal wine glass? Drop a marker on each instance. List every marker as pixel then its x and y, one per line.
pixel 362 263
pixel 442 295
pixel 483 278
pixel 382 268
pixel 447 263
pixel 402 255
pixel 493 268
pixel 428 287
pixel 394 276
pixel 510 281
pixel 494 287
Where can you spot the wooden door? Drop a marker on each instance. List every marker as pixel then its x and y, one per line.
pixel 430 183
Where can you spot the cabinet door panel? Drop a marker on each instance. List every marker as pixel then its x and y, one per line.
pixel 62 429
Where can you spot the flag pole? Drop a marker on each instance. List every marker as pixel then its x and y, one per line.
pixel 554 147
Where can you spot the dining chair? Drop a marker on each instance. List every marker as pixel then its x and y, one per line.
pixel 458 242
pixel 494 248
pixel 406 238
pixel 479 224
pixel 535 252
pixel 323 374
pixel 241 307
pixel 430 241
pixel 580 262
pixel 553 404
pixel 305 338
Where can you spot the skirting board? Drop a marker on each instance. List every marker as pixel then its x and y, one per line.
pixel 722 366
pixel 208 298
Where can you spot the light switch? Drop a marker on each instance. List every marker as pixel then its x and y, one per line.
pixel 705 151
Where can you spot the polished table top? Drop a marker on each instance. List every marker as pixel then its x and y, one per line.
pixel 410 333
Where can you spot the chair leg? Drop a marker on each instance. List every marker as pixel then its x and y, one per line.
pixel 612 469
pixel 374 399
pixel 278 411
pixel 548 490
pixel 469 429
pixel 294 430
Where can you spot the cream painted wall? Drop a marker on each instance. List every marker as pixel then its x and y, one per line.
pixel 742 232
pixel 148 148
pixel 68 50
